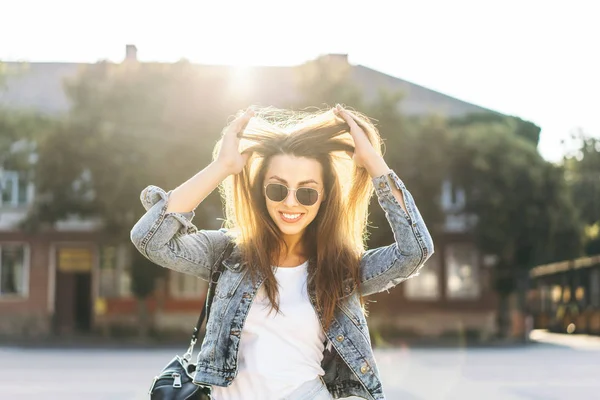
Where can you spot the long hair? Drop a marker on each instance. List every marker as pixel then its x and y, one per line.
pixel 335 239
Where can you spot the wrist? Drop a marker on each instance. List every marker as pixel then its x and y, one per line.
pixel 376 167
pixel 222 168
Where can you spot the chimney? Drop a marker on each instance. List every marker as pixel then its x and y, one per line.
pixel 130 52
pixel 336 57
pixel 339 57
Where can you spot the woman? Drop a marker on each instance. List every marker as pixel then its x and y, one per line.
pixel 287 320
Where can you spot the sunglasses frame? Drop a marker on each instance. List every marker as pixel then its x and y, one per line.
pixel 319 193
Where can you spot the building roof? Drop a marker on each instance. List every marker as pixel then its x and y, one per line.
pixel 39 86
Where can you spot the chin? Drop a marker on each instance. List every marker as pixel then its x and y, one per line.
pixel 291 231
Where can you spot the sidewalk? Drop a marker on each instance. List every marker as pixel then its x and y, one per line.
pixel 574 341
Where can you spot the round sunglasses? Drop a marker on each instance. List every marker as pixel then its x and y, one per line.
pixel 277 192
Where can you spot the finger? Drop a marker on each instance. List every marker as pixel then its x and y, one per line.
pixel 358 134
pixel 241 130
pixel 246 155
pixel 242 121
pixel 239 124
pixel 346 116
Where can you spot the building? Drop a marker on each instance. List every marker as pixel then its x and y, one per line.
pixel 67 280
pixel 565 296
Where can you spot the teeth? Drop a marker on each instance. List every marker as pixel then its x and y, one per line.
pixel 291 216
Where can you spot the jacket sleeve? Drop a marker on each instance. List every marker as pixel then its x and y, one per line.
pixel 385 267
pixel 171 240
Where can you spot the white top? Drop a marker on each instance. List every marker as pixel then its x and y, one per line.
pixel 278 352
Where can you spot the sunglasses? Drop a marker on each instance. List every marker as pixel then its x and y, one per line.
pixel 277 192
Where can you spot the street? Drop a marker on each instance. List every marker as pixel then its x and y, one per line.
pixel 557 367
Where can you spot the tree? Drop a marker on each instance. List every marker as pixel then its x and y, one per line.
pixel 521 202
pixel 130 125
pixel 19 133
pixel 523 129
pixel 409 151
pixel 583 176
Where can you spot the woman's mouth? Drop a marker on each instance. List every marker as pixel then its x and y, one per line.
pixel 291 218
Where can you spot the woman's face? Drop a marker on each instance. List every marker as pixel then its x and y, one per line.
pixel 290 216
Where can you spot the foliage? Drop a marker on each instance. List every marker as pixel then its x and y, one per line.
pixel 19 133
pixel 415 148
pixel 521 128
pixel 523 209
pixel 130 125
pixel 583 177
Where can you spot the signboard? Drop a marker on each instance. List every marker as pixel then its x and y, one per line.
pixel 75 260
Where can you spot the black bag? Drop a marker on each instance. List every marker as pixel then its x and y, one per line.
pixel 175 380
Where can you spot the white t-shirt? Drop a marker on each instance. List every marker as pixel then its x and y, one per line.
pixel 278 352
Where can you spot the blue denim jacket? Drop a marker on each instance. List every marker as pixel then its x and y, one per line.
pixel 171 240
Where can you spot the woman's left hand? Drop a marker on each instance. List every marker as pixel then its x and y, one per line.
pixel 364 155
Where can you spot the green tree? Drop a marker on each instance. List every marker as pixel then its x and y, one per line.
pixel 583 176
pixel 522 205
pixel 130 125
pixel 409 151
pixel 19 133
pixel 524 129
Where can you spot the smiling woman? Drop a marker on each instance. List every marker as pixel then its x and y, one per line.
pixel 293 213
pixel 287 319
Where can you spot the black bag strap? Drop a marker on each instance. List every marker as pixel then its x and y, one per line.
pixel 215 274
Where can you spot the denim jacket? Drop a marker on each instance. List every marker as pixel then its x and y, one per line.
pixel 172 241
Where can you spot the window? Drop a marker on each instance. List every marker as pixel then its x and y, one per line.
pixel 186 286
pixel 453 198
pixel 462 277
pixel 14 187
pixel 14 270
pixel 115 272
pixel 425 286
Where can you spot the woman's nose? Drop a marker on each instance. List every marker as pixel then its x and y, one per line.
pixel 290 200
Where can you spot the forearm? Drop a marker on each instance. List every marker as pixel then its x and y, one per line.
pixel 187 196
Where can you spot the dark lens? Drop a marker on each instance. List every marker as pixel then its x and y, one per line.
pixel 307 196
pixel 276 192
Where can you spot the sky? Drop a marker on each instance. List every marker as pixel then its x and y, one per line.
pixel 538 60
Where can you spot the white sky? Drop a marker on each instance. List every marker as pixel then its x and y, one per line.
pixel 539 60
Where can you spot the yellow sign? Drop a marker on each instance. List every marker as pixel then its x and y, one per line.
pixel 75 260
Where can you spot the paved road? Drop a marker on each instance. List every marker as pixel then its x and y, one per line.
pixel 558 368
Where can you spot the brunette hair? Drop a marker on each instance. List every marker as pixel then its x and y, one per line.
pixel 335 239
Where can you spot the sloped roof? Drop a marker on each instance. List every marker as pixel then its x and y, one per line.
pixel 419 100
pixel 39 86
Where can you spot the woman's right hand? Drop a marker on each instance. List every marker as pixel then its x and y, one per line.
pixel 229 157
